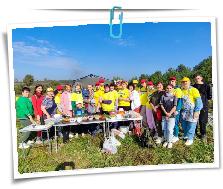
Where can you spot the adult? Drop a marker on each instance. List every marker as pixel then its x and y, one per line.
pixel 97 94
pixel 135 98
pixel 143 99
pixel 168 105
pixel 178 94
pixel 77 96
pixel 114 95
pixel 57 97
pixel 155 104
pixel 107 101
pixel 123 97
pixel 192 104
pixel 24 112
pixel 135 82
pixel 48 105
pixel 205 92
pixel 90 101
pixel 65 101
pixel 149 109
pixel 37 99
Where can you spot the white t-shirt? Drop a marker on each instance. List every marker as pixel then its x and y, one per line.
pixel 135 100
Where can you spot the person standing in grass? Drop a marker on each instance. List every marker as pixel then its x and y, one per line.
pixel 65 101
pixel 178 94
pixel 157 113
pixel 37 99
pixel 123 97
pixel 192 105
pixel 149 110
pixel 25 113
pixel 135 98
pixel 97 94
pixel 144 100
pixel 168 105
pixel 205 92
pixel 114 94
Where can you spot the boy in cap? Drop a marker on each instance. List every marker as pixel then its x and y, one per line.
pixel 192 104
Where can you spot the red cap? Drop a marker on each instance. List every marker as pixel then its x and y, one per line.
pixel 59 87
pixel 97 83
pixel 150 83
pixel 172 78
pixel 143 81
pixel 101 80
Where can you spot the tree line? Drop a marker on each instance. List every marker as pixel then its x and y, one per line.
pixel 204 68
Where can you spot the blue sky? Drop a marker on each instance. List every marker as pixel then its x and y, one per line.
pixel 69 52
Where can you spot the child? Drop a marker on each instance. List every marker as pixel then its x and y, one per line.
pixel 168 104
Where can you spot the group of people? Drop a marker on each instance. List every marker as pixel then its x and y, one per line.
pixel 162 110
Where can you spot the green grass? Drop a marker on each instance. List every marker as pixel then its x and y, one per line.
pixel 85 152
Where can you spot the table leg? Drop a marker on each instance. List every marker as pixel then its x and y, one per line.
pixel 104 127
pixel 55 139
pixel 48 138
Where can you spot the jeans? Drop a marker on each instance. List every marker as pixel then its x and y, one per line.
pixel 176 127
pixel 168 126
pixel 189 129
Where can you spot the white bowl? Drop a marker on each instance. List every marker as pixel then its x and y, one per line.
pixel 79 119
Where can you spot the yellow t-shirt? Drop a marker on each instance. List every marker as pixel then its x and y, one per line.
pixel 143 96
pixel 192 93
pixel 57 98
pixel 123 93
pixel 149 94
pixel 114 95
pixel 108 107
pixel 177 93
pixel 97 95
pixel 77 97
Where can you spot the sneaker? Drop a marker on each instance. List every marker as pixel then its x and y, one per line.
pixel 60 135
pixel 76 135
pixel 23 145
pixel 185 138
pixel 170 145
pixel 71 135
pixel 165 144
pixel 82 134
pixel 188 142
pixel 175 139
pixel 30 142
pixel 38 141
pixel 159 140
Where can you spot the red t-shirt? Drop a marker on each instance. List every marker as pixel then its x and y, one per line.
pixel 37 101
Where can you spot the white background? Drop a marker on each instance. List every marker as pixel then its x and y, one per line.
pixel 23 11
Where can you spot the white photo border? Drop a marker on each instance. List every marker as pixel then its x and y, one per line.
pixel 215 164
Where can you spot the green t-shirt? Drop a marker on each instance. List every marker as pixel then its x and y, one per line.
pixel 24 108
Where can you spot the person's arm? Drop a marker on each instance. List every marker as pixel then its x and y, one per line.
pixel 172 111
pixel 209 92
pixel 198 107
pixel 43 108
pixel 162 107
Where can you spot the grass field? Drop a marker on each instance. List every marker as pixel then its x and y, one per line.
pixel 85 152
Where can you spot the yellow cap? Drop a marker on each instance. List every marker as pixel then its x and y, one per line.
pixel 49 89
pixel 135 81
pixel 185 79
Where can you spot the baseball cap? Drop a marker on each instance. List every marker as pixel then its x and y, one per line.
pixel 59 87
pixel 101 80
pixel 50 89
pixel 143 81
pixel 135 81
pixel 172 78
pixel 185 79
pixel 150 83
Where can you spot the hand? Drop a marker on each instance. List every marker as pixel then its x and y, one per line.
pixel 168 114
pixel 32 121
pixel 196 115
pixel 38 118
pixel 176 113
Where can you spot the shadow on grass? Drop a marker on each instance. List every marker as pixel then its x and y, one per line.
pixel 65 166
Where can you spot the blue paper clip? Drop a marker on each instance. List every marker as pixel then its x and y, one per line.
pixel 120 24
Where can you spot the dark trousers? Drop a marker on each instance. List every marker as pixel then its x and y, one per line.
pixel 66 132
pixel 203 119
